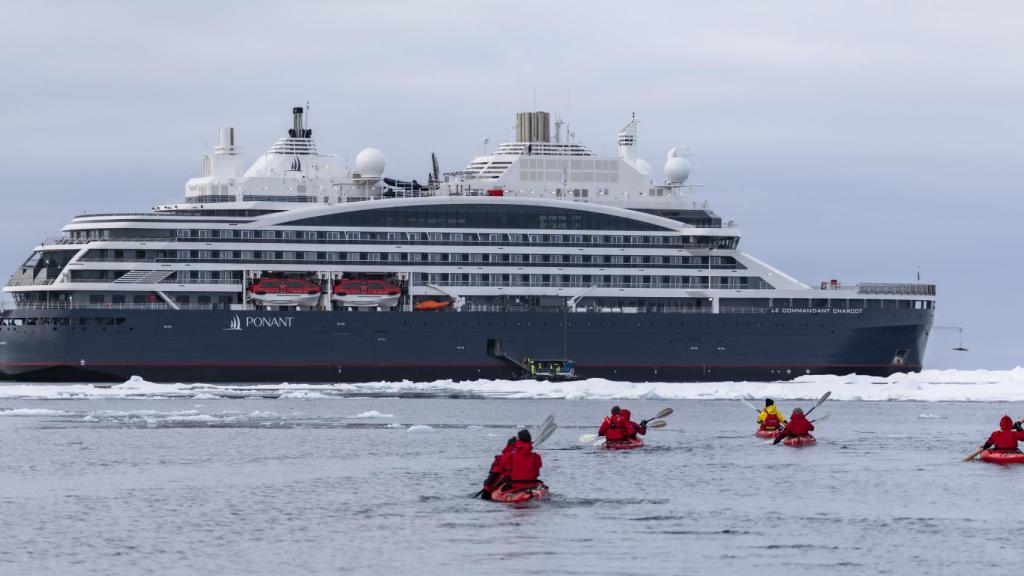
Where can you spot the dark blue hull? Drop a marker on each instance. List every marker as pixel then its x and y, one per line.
pixel 312 346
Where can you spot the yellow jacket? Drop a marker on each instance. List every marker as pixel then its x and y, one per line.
pixel 770 410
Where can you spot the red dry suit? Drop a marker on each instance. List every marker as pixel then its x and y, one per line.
pixel 613 428
pixel 632 428
pixel 521 465
pixel 494 476
pixel 1006 437
pixel 798 425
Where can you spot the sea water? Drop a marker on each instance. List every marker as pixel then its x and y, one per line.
pixel 374 479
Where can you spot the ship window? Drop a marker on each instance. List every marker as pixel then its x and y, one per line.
pixel 477 216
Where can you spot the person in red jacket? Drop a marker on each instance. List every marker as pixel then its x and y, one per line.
pixel 613 428
pixel 632 428
pixel 494 477
pixel 798 425
pixel 522 465
pixel 1005 439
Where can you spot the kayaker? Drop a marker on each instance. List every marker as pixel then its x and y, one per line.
pixel 798 425
pixel 494 477
pixel 770 418
pixel 521 465
pixel 632 428
pixel 1005 439
pixel 613 428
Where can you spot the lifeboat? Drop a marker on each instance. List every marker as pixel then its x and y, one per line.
pixel 432 305
pixel 285 292
pixel 366 293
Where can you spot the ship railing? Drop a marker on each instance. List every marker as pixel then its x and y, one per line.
pixel 883 288
pixel 30 282
pixel 319 262
pixel 64 305
pixel 898 289
pixel 391 242
pixel 112 306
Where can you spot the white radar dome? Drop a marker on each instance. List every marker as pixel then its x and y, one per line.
pixel 370 163
pixel 643 166
pixel 677 168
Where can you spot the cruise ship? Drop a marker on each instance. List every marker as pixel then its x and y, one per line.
pixel 538 260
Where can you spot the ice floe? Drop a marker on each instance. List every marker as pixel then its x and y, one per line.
pixel 373 414
pixel 929 385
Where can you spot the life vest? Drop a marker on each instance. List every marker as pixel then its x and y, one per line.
pixel 1006 437
pixel 522 464
pixel 799 425
pixel 771 422
pixel 613 429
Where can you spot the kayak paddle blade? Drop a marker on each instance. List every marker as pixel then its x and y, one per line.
pixel 751 406
pixel 545 434
pixel 663 413
pixel 657 424
pixel 588 438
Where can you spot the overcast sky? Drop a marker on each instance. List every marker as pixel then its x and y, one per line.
pixel 853 140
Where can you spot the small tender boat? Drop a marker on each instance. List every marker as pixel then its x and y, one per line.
pixel 432 305
pixel 285 292
pixel 366 293
pixel 1002 456
pixel 623 444
pixel 538 491
pixel 797 441
pixel 771 434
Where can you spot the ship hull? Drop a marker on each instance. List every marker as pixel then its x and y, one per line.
pixel 223 346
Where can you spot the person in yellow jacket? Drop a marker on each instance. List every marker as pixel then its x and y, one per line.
pixel 770 418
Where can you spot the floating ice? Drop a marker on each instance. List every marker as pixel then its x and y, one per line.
pixel 373 414
pixel 32 412
pixel 304 395
pixel 420 429
pixel 929 385
pixel 394 425
pixel 926 416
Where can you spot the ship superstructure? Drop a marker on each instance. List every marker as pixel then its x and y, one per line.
pixel 540 249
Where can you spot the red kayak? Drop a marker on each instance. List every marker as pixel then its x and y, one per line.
pixel 772 434
pixel 1002 457
pixel 798 441
pixel 538 491
pixel 623 444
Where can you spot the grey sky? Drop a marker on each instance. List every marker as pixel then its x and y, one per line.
pixel 850 140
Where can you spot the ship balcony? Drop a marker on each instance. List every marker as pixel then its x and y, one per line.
pixel 883 288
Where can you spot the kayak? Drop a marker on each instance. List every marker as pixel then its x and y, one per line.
pixel 767 434
pixel 1001 457
pixel 798 441
pixel 520 495
pixel 623 444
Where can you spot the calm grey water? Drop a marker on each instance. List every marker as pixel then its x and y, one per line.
pixel 286 486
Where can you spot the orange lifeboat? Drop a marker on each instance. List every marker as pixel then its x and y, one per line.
pixel 432 305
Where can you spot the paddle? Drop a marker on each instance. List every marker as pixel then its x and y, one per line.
pixel 819 402
pixel 751 406
pixel 982 447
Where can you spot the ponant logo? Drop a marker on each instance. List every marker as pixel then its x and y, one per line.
pixel 235 324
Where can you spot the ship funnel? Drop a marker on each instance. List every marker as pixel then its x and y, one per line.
pixel 227 137
pixel 298 130
pixel 533 127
